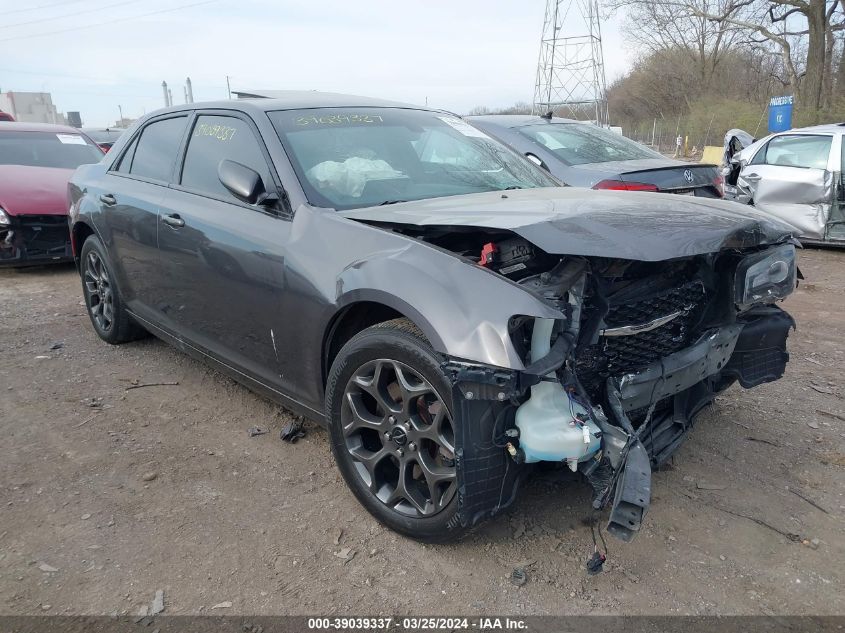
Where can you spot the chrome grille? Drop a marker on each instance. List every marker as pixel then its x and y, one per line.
pixel 615 355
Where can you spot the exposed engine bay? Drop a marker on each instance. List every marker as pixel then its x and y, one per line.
pixel 613 389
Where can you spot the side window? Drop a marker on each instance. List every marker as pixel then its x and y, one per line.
pixel 126 162
pixel 810 152
pixel 156 150
pixel 217 138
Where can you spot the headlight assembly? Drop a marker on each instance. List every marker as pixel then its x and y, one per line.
pixel 4 218
pixel 765 277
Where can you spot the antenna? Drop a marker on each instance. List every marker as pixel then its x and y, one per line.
pixel 570 71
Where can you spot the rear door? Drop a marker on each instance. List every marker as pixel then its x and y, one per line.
pixel 222 260
pixel 129 201
pixel 792 178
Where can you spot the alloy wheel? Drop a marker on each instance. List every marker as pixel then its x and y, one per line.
pixel 99 290
pixel 399 433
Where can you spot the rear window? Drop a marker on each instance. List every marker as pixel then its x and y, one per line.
pixel 584 144
pixel 63 150
pixel 156 150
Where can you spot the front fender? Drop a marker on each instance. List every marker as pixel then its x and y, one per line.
pixel 462 309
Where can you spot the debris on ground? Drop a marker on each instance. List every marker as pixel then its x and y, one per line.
pixel 292 431
pixel 223 605
pixel 347 554
pixel 751 438
pixel 158 602
pixel 519 577
pixel 337 534
pixel 807 499
pixel 47 568
pixel 152 384
pixel 821 389
pixel 704 485
pixel 254 431
pixel 56 346
pixel 149 476
pixel 829 414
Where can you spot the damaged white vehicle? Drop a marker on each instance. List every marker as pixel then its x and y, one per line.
pixel 795 176
pixel 448 311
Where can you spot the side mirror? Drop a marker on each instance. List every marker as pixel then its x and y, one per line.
pixel 536 160
pixel 243 183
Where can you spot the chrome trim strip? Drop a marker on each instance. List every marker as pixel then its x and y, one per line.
pixel 630 330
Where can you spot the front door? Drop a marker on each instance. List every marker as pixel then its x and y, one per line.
pixel 790 178
pixel 222 260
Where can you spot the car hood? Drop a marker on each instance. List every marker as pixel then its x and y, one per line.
pixel 569 221
pixel 33 190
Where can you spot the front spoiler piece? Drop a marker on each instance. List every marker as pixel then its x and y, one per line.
pixel 679 371
pixel 633 494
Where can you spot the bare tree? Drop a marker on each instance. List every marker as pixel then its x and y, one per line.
pixel 683 25
pixel 779 23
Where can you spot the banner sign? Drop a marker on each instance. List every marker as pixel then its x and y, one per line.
pixel 780 114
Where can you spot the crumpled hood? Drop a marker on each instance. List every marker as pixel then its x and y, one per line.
pixel 34 190
pixel 569 221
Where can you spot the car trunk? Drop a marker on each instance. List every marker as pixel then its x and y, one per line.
pixel 666 175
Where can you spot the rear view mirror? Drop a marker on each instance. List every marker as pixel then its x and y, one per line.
pixel 243 183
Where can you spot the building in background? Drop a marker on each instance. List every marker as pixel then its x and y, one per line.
pixel 31 107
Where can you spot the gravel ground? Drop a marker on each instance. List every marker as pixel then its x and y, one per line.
pixel 108 494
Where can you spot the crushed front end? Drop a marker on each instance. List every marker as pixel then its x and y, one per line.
pixel 613 389
pixel 32 240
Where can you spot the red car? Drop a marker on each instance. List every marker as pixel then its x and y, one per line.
pixel 36 162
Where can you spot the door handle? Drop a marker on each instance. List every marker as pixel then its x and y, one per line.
pixel 108 199
pixel 752 177
pixel 173 220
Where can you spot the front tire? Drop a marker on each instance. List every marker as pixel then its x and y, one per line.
pixel 102 297
pixel 389 409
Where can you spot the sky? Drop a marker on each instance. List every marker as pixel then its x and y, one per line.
pixel 96 55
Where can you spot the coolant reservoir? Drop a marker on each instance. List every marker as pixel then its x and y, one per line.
pixel 548 427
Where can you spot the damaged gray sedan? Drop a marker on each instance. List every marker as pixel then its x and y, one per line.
pixel 448 312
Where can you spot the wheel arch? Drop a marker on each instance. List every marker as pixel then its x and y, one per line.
pixel 80 232
pixel 363 309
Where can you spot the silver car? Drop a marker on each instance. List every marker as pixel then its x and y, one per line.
pixel 796 176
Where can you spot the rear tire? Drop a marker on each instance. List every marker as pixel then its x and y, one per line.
pixel 103 301
pixel 389 408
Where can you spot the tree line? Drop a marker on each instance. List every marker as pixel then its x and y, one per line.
pixel 705 66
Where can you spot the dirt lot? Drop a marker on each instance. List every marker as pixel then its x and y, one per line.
pixel 109 494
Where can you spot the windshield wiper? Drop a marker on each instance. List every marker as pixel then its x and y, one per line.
pixel 511 188
pixel 386 202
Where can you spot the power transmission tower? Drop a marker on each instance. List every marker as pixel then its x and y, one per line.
pixel 570 73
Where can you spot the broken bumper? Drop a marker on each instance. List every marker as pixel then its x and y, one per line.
pixel 33 240
pixel 752 351
pixel 674 389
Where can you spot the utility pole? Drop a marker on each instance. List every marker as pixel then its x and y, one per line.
pixel 570 71
pixel 164 90
pixel 228 87
pixel 189 88
pixel 120 109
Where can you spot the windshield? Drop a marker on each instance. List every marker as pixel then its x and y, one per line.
pixel 348 158
pixel 47 149
pixel 584 143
